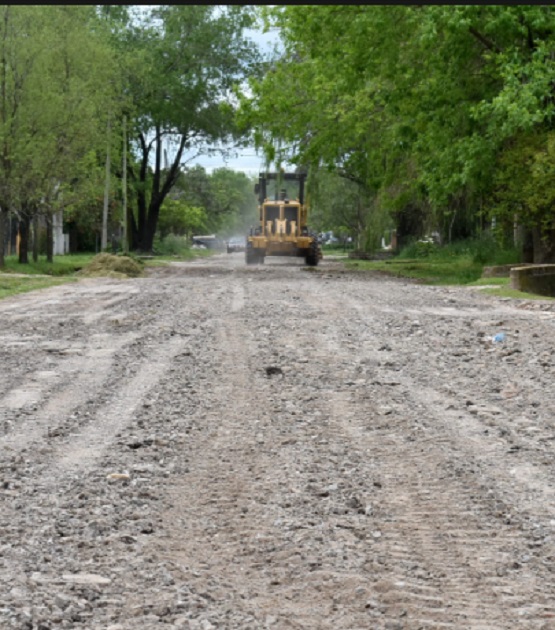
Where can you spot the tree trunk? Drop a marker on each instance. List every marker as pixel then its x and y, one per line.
pixel 527 245
pixel 35 237
pixel 544 246
pixel 24 224
pixel 133 233
pixel 151 223
pixel 138 227
pixel 3 216
pixel 147 218
pixel 104 239
pixel 49 239
pixel 125 221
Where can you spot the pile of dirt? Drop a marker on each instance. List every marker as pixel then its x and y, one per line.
pixel 110 266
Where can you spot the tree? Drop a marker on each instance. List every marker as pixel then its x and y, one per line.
pixel 414 103
pixel 56 80
pixel 332 116
pixel 234 203
pixel 176 217
pixel 226 196
pixel 16 63
pixel 190 58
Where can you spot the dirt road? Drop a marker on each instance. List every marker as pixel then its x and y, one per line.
pixel 223 447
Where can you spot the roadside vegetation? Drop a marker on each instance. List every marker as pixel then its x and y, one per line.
pixel 17 278
pixel 460 263
pixel 102 130
pixel 60 266
pixel 417 119
pixel 12 285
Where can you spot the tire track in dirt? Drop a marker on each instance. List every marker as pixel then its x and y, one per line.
pixel 81 520
pixel 339 489
pixel 440 552
pixel 78 379
pixel 440 523
pixel 100 430
pixel 210 547
pixel 235 543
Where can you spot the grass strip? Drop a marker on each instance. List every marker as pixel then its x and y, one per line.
pixel 12 285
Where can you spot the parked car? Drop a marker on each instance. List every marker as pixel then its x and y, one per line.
pixel 210 241
pixel 236 244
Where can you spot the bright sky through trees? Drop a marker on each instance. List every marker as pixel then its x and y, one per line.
pixel 247 159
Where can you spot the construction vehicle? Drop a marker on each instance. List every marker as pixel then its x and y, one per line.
pixel 283 228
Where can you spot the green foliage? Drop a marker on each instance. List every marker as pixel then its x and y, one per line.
pixel 484 250
pixel 523 187
pixel 418 249
pixel 459 270
pixel 58 81
pixel 190 57
pixel 424 106
pixel 62 266
pixel 507 292
pixel 347 208
pixel 488 250
pixel 172 245
pixel 14 285
pixel 420 117
pixel 225 196
pixel 180 219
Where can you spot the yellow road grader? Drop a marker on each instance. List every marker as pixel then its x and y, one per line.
pixel 283 228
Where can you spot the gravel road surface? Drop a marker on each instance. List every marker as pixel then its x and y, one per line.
pixel 226 447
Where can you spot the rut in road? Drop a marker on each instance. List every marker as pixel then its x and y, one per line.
pixel 452 539
pixel 418 528
pixel 305 450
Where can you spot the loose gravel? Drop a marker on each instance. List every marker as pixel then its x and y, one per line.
pixel 217 446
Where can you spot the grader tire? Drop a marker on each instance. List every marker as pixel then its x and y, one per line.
pixel 254 257
pixel 313 256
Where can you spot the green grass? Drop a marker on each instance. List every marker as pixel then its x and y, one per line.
pixel 39 275
pixel 502 288
pixel 10 285
pixel 441 269
pixel 62 265
pixel 461 270
pixel 502 282
pixel 457 263
pixel 186 254
pixel 513 293
pixel 70 263
pixel 336 248
pixel 157 262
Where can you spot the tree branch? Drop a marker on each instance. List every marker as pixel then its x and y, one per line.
pixel 174 169
pixel 157 163
pixel 487 43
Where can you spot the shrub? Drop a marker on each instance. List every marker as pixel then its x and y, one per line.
pixel 419 249
pixel 172 245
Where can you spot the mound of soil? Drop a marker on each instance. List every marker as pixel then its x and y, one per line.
pixel 110 266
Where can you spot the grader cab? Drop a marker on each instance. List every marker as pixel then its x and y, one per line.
pixel 283 215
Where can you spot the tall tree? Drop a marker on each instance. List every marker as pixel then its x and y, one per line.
pixel 414 102
pixel 16 64
pixel 191 57
pixel 57 84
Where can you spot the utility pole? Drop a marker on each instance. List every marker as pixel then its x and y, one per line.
pixel 124 184
pixel 104 238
